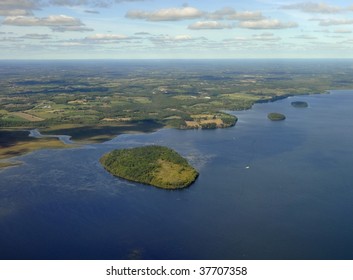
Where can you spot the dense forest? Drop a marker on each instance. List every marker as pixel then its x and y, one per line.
pixel 276 116
pixel 153 165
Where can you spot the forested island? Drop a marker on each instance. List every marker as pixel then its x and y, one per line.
pixel 299 104
pixel 154 165
pixel 276 117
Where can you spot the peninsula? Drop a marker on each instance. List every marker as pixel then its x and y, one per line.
pixel 154 165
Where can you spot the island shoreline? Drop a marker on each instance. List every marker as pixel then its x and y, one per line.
pixel 5 159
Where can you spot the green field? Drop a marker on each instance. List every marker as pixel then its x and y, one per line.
pixel 94 103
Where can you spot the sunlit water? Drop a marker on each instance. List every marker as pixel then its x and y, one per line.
pixel 266 190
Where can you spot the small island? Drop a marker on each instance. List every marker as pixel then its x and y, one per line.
pixel 276 117
pixel 154 165
pixel 299 104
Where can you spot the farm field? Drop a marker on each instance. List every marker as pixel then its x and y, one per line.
pixel 93 102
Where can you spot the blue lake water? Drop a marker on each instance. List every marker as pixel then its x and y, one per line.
pixel 266 190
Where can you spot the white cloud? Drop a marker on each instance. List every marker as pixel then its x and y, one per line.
pixel 35 36
pixel 106 37
pixel 58 23
pixel 311 7
pixel 305 37
pixel 231 14
pixel 94 3
pixel 247 15
pixel 142 33
pixel 170 14
pixel 209 25
pixel 221 14
pixel 25 7
pixel 163 40
pixel 21 21
pixel 19 4
pixel 267 24
pixel 53 20
pixel 91 12
pixel 71 29
pixel 14 12
pixel 71 44
pixel 342 31
pixel 182 38
pixel 18 8
pixel 69 2
pixel 266 37
pixel 12 39
pixel 330 22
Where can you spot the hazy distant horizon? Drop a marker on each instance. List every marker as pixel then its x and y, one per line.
pixel 182 59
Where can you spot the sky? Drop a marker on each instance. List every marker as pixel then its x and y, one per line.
pixel 165 29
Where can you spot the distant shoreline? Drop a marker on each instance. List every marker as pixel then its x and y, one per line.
pixel 171 59
pixel 47 141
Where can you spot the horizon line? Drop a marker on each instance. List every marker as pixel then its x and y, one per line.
pixel 175 59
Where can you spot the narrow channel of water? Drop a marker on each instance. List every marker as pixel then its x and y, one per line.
pixel 66 139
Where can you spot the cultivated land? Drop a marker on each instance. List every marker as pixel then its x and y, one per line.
pixel 153 165
pixel 93 101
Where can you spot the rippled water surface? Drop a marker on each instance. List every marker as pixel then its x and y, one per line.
pixel 267 190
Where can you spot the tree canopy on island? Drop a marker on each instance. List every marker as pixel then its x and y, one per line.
pixel 153 165
pixel 276 116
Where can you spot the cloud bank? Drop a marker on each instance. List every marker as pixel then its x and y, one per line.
pixel 58 23
pixel 170 14
pixel 310 7
pixel 209 25
pixel 267 24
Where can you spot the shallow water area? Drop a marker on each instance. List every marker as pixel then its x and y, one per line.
pixel 66 139
pixel 266 190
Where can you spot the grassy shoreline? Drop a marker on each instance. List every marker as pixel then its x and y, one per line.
pixel 9 164
pixel 14 141
pixel 17 142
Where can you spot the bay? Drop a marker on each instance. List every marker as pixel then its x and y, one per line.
pixel 266 190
